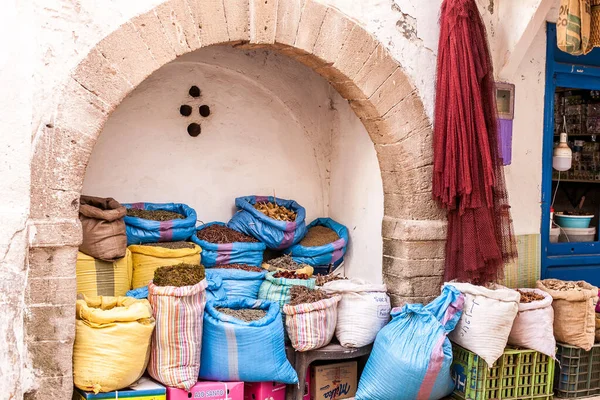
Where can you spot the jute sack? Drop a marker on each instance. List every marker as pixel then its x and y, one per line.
pixel 112 342
pixel 146 259
pixel 574 315
pixel 103 278
pixel 103 228
pixel 573 27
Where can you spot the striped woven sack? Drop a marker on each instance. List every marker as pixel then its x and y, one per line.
pixel 311 326
pixel 278 289
pixel 177 339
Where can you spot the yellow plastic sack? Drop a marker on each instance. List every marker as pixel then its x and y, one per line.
pixel 146 259
pixel 102 278
pixel 112 342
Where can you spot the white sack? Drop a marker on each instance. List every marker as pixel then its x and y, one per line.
pixel 362 312
pixel 487 319
pixel 534 326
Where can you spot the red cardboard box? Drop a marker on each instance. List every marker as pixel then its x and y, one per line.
pixel 209 390
pixel 264 391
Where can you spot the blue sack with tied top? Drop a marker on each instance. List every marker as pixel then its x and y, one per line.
pixel 140 231
pixel 327 254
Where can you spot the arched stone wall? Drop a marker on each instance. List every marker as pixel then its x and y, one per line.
pixel 320 37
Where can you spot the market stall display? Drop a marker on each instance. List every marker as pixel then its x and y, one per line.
pixel 269 219
pixel 238 280
pixel 103 278
pixel 324 244
pixel 287 263
pixel 222 245
pixel 145 259
pixel 278 289
pixel 159 222
pixel 420 362
pixel 112 342
pixel 103 228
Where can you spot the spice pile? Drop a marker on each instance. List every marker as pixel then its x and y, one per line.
pixel 323 279
pixel 318 236
pixel 154 215
pixel 285 262
pixel 563 286
pixel 245 314
pixel 529 297
pixel 302 295
pixel 275 211
pixel 243 267
pixel 178 275
pixel 221 234
pixel 290 275
pixel 172 245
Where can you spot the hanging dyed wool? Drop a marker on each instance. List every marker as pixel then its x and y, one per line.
pixel 468 179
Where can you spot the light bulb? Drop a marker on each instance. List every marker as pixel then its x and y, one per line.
pixel 563 156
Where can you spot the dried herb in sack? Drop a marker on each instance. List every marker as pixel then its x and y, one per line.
pixel 154 215
pixel 319 236
pixel 221 234
pixel 323 279
pixel 178 275
pixel 244 314
pixel 172 245
pixel 285 262
pixel 290 275
pixel 530 297
pixel 275 211
pixel 242 267
pixel 303 295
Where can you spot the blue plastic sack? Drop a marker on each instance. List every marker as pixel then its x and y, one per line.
pixel 140 231
pixel 275 234
pixel 229 253
pixel 215 289
pixel 139 293
pixel 328 254
pixel 414 349
pixel 237 282
pixel 234 350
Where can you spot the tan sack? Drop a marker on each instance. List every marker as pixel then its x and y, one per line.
pixel 103 227
pixel 573 27
pixel 573 304
pixel 112 342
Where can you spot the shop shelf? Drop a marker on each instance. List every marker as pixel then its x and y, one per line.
pixel 518 374
pixel 578 372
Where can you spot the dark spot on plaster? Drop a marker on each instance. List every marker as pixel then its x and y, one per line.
pixel 143 24
pixel 204 110
pixel 194 91
pixel 193 129
pixel 491 7
pixel 49 126
pixel 406 24
pixel 185 110
pixel 75 203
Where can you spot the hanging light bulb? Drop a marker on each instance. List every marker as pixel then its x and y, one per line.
pixel 563 156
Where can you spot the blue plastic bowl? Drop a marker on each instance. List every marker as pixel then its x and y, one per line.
pixel 573 221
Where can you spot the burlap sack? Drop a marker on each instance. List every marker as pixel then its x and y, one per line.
pixel 103 227
pixel 574 315
pixel 573 27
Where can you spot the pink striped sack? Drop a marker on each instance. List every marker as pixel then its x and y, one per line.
pixel 177 338
pixel 311 325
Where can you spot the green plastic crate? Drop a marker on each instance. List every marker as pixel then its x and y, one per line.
pixel 518 374
pixel 577 371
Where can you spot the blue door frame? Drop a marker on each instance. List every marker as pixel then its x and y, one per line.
pixel 569 261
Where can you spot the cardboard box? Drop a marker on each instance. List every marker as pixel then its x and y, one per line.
pixel 264 391
pixel 209 390
pixel 334 381
pixel 144 389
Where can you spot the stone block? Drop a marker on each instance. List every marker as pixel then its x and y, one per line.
pixel 395 89
pixel 49 203
pixel 178 26
pixel 358 47
pixel 332 37
pixel 331 74
pixel 209 16
pixel 409 269
pixel 376 70
pixel 413 230
pixel 398 285
pixel 400 301
pixel 288 20
pixel 56 232
pixel 237 14
pixel 152 33
pixel 348 90
pixel 309 27
pixel 414 250
pixel 427 286
pixel 397 182
pixel 52 358
pixel 407 156
pixel 310 61
pixel 128 54
pixel 364 110
pixel 412 206
pixel 50 323
pixel 263 21
pixel 60 387
pixel 56 262
pixel 51 291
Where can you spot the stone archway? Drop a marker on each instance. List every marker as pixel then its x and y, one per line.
pixel 320 37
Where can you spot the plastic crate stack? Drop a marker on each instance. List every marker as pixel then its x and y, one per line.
pixel 578 372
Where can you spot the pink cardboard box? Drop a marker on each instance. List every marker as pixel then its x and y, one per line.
pixel 209 390
pixel 264 391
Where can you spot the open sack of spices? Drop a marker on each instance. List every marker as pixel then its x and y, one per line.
pixel 112 342
pixel 574 313
pixel 177 295
pixel 533 327
pixel 324 244
pixel 287 263
pixel 146 258
pixel 278 223
pixel 159 222
pixel 277 285
pixel 222 245
pixel 103 228
pixel 310 317
pixel 244 341
pixel 238 280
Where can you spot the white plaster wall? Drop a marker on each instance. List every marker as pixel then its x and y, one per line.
pixel 275 126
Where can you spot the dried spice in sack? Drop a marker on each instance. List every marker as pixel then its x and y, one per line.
pixel 245 314
pixel 563 286
pixel 178 275
pixel 530 297
pixel 220 234
pixel 154 215
pixel 172 245
pixel 285 262
pixel 303 295
pixel 323 279
pixel 275 211
pixel 243 267
pixel 318 236
pixel 290 275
